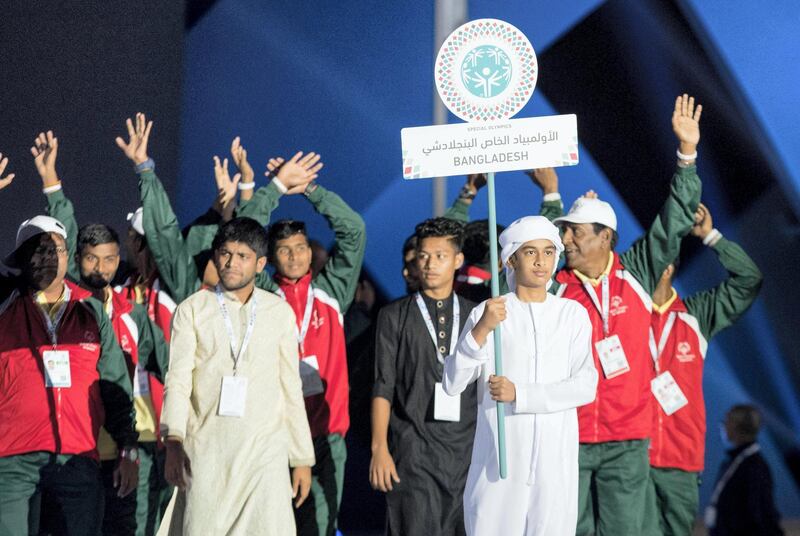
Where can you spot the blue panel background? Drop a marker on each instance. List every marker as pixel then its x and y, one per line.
pixel 343 78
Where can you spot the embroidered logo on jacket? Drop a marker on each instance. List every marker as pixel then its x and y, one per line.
pixel 617 307
pixel 316 320
pixel 683 354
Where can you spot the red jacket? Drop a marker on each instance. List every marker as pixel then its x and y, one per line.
pixel 622 409
pixel 160 308
pixel 61 420
pixel 328 412
pixel 678 440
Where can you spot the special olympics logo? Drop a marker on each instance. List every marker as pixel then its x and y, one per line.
pixel 486 71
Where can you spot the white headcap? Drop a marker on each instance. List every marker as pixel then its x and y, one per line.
pixel 32 227
pixel 524 230
pixel 590 210
pixel 136 220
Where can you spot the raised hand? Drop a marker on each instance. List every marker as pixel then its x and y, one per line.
pixel 686 123
pixel 476 181
pixel 226 187
pixel 298 172
pixel 4 181
pixel 138 135
pixel 544 178
pixel 239 155
pixel 45 152
pixel 703 224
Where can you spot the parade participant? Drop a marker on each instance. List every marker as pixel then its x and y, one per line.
pixel 548 373
pixel 233 418
pixel 421 437
pixel 64 376
pixel 319 303
pixel 682 329
pixel 615 290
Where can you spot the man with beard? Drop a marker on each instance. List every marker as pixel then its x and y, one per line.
pixel 94 263
pixel 234 418
pixel 64 376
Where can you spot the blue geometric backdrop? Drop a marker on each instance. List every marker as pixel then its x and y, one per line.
pixel 342 79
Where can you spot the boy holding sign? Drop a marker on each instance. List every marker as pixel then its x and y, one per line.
pixel 421 437
pixel 549 372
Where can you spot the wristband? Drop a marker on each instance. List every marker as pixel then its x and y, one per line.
pixel 555 196
pixel 51 189
pixel 686 157
pixel 466 193
pixel 247 185
pixel 144 166
pixel 712 238
pixel 279 185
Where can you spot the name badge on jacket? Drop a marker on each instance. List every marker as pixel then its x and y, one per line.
pixel 668 393
pixel 446 407
pixel 612 357
pixel 233 396
pixel 56 368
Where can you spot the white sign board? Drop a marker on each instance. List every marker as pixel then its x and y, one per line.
pixel 462 148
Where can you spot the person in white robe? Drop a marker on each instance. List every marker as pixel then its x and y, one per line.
pixel 234 419
pixel 548 373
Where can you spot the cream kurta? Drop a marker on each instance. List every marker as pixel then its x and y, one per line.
pixel 547 355
pixel 240 465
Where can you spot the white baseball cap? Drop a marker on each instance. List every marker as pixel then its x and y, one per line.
pixel 32 227
pixel 136 220
pixel 590 210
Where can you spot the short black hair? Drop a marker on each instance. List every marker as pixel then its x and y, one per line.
pixel 283 229
pixel 746 420
pixel 409 244
pixel 441 227
pixel 94 234
pixel 598 228
pixel 245 230
pixel 476 242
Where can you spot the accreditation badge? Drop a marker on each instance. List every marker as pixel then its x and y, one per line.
pixel 612 357
pixel 233 396
pixel 668 393
pixel 56 368
pixel 446 407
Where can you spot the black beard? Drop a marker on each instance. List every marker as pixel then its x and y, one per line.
pixel 94 281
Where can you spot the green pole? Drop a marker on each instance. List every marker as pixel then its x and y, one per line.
pixel 498 351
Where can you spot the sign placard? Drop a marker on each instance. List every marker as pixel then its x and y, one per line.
pixel 463 148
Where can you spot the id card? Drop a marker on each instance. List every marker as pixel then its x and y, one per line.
pixel 710 517
pixel 141 381
pixel 668 393
pixel 446 407
pixel 56 368
pixel 309 375
pixel 612 357
pixel 233 396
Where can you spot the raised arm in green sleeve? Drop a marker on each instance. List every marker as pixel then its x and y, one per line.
pixel 260 207
pixel 60 208
pixel 719 307
pixel 199 235
pixel 551 209
pixel 175 264
pixel 458 211
pixel 651 254
pixel 115 382
pixel 339 277
pixel 153 349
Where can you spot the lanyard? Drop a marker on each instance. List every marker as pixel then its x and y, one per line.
pixel 301 335
pixel 746 453
pixel 229 327
pixel 603 309
pixel 657 351
pixel 426 316
pixel 52 323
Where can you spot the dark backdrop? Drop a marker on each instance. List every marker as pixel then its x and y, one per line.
pixel 81 68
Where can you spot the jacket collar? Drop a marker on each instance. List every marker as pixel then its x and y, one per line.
pixel 284 283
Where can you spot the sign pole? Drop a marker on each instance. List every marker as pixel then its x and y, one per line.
pixel 498 347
